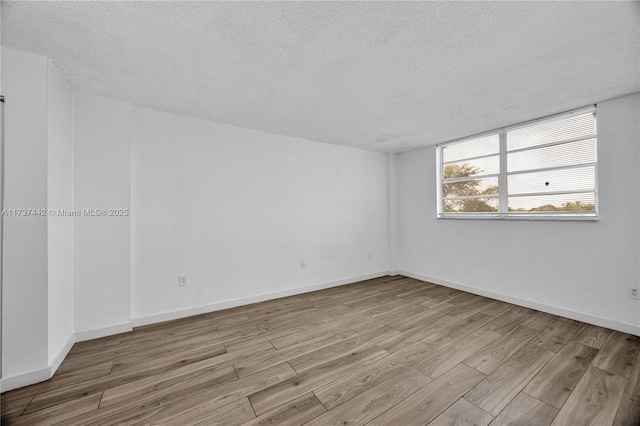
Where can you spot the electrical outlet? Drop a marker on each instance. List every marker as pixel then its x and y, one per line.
pixel 182 280
pixel 302 264
pixel 370 256
pixel 634 293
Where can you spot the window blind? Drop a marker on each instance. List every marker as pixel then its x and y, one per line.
pixel 547 168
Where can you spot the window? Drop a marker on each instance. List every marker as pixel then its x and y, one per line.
pixel 546 169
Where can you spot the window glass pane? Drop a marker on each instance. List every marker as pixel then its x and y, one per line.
pixel 577 203
pixel 471 205
pixel 481 166
pixel 553 180
pixel 468 188
pixel 552 131
pixel 472 148
pixel 579 152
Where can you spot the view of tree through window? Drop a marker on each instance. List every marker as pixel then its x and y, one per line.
pixel 467 188
pixel 547 168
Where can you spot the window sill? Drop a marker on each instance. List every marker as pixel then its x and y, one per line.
pixel 570 217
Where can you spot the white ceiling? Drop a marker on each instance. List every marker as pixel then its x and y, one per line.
pixel 382 76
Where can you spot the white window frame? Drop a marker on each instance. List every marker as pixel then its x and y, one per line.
pixel 503 213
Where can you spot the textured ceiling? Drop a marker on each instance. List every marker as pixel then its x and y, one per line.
pixel 382 76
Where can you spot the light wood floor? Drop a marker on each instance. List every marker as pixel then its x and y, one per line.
pixel 389 351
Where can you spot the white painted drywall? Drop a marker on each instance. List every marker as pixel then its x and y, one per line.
pixel 59 193
pixel 102 180
pixel 1 230
pixel 392 210
pixel 24 301
pixel 236 210
pixel 580 266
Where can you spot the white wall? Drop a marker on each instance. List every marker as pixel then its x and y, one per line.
pixel 25 305
pixel 1 206
pixel 236 210
pixel 102 180
pixel 584 267
pixel 59 193
pixel 392 211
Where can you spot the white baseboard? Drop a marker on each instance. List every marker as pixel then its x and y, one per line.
pixel 62 354
pixel 555 310
pixel 96 333
pixel 25 379
pixel 37 376
pixel 182 313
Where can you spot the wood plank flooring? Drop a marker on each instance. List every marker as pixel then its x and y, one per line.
pixel 388 351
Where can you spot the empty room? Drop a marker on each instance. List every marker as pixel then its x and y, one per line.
pixel 320 213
